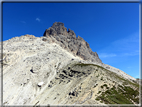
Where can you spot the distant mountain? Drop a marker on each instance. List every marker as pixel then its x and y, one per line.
pixel 61 69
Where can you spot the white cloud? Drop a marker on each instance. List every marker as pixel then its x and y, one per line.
pixel 106 55
pixel 38 19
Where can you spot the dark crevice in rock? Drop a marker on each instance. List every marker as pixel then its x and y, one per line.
pixel 62 76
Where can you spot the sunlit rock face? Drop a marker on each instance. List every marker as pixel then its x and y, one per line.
pixel 61 69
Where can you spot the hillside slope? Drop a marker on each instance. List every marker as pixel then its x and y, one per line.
pixel 41 71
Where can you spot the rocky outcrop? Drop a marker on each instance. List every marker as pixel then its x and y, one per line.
pixel 56 29
pixel 68 40
pixel 31 36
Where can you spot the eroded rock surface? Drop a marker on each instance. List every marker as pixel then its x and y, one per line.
pixel 68 40
pixel 54 70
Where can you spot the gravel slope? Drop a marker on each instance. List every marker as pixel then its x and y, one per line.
pixel 30 60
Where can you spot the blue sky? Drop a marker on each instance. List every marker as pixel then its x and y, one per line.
pixel 111 29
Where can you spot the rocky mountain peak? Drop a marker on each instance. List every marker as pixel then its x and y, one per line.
pixel 68 40
pixel 57 24
pixel 58 28
pixel 50 71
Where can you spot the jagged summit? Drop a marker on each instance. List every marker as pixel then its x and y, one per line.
pixel 58 24
pixel 58 28
pixel 68 40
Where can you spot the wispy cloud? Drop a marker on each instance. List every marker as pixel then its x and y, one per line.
pixel 129 43
pixel 123 54
pixel 106 55
pixel 37 19
pixel 136 52
pixel 128 46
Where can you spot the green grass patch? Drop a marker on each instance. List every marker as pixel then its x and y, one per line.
pixel 120 95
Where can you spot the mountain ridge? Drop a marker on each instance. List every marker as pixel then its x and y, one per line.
pixel 66 77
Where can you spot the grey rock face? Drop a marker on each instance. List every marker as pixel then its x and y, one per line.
pixel 56 29
pixel 71 34
pixel 68 40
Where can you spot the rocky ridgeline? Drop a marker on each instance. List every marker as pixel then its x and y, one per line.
pixel 51 70
pixel 68 40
